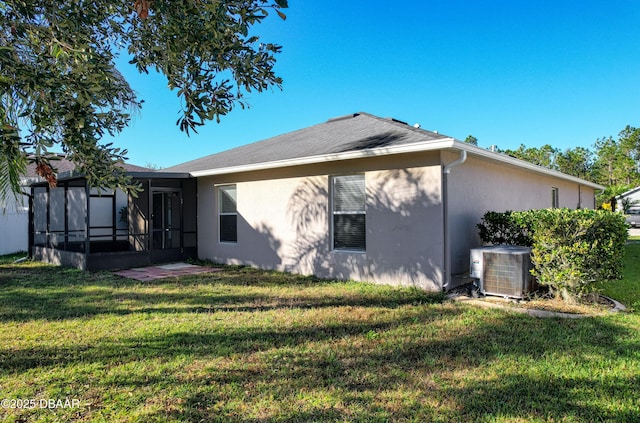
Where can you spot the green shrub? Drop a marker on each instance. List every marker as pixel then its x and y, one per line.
pixel 572 250
pixel 504 228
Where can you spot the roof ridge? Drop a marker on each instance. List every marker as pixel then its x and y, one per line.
pixel 354 131
pixel 344 117
pixel 401 123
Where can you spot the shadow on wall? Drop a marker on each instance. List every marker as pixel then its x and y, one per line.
pixel 263 250
pixel 308 212
pixel 404 231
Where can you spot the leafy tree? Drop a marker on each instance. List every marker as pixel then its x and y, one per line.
pixel 607 168
pixel 617 160
pixel 471 140
pixel 60 88
pixel 153 166
pixel 575 161
pixel 542 156
pixel 629 139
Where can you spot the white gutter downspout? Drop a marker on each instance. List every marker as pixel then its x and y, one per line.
pixel 461 159
pixel 445 218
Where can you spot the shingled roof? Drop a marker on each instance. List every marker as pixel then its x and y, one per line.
pixel 347 137
pixel 65 166
pixel 351 133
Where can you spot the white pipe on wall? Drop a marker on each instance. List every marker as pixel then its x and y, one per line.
pixel 445 219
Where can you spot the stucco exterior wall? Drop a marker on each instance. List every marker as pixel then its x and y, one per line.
pixel 284 221
pixel 479 185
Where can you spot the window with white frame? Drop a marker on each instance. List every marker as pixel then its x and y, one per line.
pixel 228 213
pixel 554 198
pixel 348 213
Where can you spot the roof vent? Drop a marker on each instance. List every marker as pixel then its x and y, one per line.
pixel 435 131
pixel 416 125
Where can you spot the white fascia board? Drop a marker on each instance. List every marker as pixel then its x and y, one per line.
pixel 349 155
pixel 503 158
pixel 433 145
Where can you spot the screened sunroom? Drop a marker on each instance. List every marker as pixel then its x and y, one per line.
pixel 97 229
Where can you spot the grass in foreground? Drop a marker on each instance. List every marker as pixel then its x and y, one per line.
pixel 247 345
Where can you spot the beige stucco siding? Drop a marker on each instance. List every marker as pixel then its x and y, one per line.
pixel 479 185
pixel 284 221
pixel 404 227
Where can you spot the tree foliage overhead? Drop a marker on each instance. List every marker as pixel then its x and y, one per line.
pixel 61 89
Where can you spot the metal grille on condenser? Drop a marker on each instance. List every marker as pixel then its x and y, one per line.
pixel 503 274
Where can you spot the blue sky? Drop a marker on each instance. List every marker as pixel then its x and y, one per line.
pixel 506 71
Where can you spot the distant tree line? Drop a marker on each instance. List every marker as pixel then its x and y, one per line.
pixel 613 163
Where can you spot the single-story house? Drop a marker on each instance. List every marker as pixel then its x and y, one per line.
pixel 365 198
pixel 357 197
pixel 631 197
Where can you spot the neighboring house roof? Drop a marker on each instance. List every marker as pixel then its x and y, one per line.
pixel 348 137
pixel 628 193
pixel 65 166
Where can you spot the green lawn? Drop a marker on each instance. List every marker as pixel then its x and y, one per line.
pixel 627 290
pixel 247 345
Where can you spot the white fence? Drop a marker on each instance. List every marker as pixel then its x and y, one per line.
pixel 14 228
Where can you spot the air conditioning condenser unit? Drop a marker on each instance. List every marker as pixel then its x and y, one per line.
pixel 502 270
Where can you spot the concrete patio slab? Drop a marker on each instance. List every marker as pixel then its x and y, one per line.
pixel 164 271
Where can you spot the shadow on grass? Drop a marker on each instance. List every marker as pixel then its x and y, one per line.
pixel 432 379
pixel 403 368
pixel 53 293
pixel 222 342
pixel 16 305
pixel 425 362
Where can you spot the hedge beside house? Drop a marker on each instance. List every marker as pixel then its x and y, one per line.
pixel 505 228
pixel 571 250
